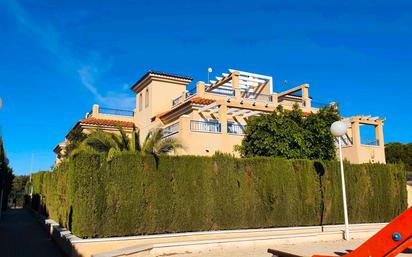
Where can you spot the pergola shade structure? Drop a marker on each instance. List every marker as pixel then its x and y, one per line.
pixel 233 112
pixel 250 85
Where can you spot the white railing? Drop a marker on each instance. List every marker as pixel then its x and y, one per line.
pixel 171 130
pixel 236 129
pixel 205 126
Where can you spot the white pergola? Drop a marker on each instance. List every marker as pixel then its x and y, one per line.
pixel 234 112
pixel 248 82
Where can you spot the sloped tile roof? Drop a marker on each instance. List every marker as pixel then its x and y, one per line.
pixel 105 122
pixel 194 100
pixel 164 74
pixel 200 100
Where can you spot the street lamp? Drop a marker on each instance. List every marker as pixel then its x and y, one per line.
pixel 338 129
pixel 209 70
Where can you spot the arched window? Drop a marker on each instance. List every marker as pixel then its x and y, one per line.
pixel 146 100
pixel 140 102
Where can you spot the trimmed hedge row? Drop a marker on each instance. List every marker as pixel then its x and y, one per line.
pixel 134 195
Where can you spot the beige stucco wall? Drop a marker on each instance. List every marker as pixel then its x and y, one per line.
pixel 161 94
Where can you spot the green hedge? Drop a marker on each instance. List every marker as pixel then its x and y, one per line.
pixel 134 195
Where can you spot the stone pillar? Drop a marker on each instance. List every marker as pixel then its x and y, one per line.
pixel 275 99
pixel 235 83
pixel 200 88
pixel 305 97
pixel 356 134
pixel 223 118
pixel 379 132
pixel 95 110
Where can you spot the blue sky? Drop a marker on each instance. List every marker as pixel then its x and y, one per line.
pixel 57 58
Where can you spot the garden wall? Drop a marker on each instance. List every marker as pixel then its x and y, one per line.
pixel 134 195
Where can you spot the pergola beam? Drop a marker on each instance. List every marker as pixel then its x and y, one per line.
pixel 208 107
pixel 292 90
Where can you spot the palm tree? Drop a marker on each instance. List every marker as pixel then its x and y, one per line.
pixel 112 144
pixel 156 144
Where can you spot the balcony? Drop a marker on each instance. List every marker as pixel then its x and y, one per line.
pixel 222 91
pixel 110 111
pixel 171 130
pixel 318 105
pixel 369 141
pixel 259 97
pixel 235 129
pixel 205 126
pixel 184 97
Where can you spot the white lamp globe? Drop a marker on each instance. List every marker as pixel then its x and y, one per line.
pixel 209 70
pixel 338 128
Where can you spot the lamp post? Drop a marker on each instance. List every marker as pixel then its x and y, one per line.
pixel 209 70
pixel 338 129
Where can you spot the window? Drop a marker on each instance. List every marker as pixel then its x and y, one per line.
pixel 140 102
pixel 146 100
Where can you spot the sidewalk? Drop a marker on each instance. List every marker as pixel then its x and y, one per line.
pixel 22 236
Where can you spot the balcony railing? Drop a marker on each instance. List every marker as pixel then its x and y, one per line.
pixel 259 97
pixel 177 100
pixel 190 93
pixel 187 95
pixel 370 141
pixel 205 126
pixel 222 91
pixel 119 112
pixel 318 105
pixel 237 129
pixel 170 130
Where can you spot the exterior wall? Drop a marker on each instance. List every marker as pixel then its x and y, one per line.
pixel 204 143
pixel 161 94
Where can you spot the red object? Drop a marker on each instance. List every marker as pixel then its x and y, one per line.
pixel 391 240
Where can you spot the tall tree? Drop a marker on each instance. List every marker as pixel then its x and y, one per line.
pixel 6 176
pixel 291 134
pixel 399 153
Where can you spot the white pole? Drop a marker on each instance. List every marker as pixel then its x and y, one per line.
pixel 345 207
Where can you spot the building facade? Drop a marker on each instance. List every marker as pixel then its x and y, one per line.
pixel 211 117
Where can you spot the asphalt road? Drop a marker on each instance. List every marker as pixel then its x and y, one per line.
pixel 21 235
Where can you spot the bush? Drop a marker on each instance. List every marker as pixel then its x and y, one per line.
pixel 134 195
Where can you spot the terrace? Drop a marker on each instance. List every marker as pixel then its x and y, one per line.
pixel 110 113
pixel 252 88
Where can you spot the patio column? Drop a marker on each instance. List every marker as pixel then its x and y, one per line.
pixel 379 132
pixel 305 96
pixel 95 109
pixel 223 118
pixel 235 83
pixel 275 99
pixel 200 88
pixel 356 134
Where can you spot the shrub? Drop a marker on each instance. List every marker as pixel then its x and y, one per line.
pixel 134 195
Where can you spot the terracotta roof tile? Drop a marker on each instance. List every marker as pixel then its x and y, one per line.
pixel 200 100
pixel 194 100
pixel 104 122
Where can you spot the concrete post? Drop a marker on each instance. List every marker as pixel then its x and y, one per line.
pixel 305 96
pixel 235 83
pixel 275 99
pixel 356 133
pixel 95 109
pixel 379 133
pixel 223 118
pixel 200 88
